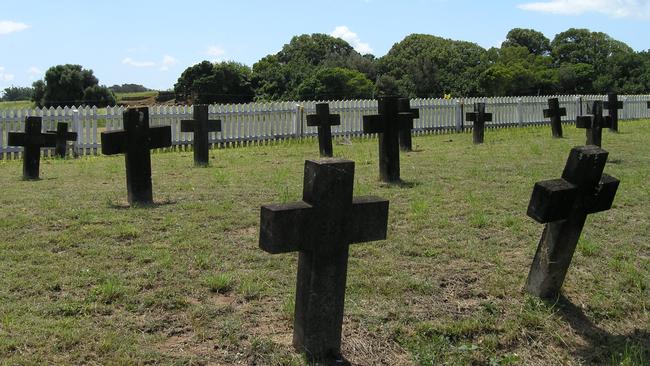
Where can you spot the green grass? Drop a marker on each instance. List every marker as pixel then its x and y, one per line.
pixel 135 95
pixel 84 280
pixel 20 104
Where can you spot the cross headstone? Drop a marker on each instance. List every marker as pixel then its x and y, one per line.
pixel 321 228
pixel 408 114
pixel 563 205
pixel 555 113
pixel 387 125
pixel 613 105
pixel 201 126
pixel 135 141
pixel 594 124
pixel 62 138
pixel 479 117
pixel 32 140
pixel 324 120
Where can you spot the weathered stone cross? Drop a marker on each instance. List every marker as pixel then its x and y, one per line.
pixel 555 113
pixel 32 140
pixel 321 228
pixel 563 205
pixel 324 120
pixel 479 117
pixel 594 124
pixel 62 138
pixel 387 124
pixel 613 105
pixel 135 141
pixel 408 114
pixel 201 126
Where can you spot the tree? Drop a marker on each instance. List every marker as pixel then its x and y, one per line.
pixel 207 83
pixel 14 93
pixel 64 85
pixel 128 88
pixel 581 46
pixel 336 84
pixel 536 42
pixel 39 93
pixel 99 96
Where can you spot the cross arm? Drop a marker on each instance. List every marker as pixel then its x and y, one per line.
pixel 617 104
pixel 188 125
pixel 113 142
pixel 282 227
pixel 374 124
pixel 548 113
pixel 368 219
pixel 70 136
pixel 160 137
pixel 214 125
pixel 584 122
pixel 16 139
pixel 471 116
pixel 603 198
pixel 23 139
pixel 551 200
pixel 487 117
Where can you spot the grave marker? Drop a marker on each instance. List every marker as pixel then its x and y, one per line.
pixel 321 228
pixel 594 124
pixel 136 141
pixel 32 140
pixel 408 114
pixel 479 117
pixel 324 120
pixel 62 138
pixel 387 125
pixel 555 113
pixel 201 126
pixel 613 105
pixel 563 205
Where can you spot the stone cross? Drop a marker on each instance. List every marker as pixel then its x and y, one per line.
pixel 135 141
pixel 613 105
pixel 62 138
pixel 563 205
pixel 387 125
pixel 201 126
pixel 555 113
pixel 324 120
pixel 321 228
pixel 408 114
pixel 479 117
pixel 594 124
pixel 32 140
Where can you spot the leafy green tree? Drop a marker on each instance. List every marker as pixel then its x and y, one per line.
pixel 576 78
pixel 207 83
pixel 536 42
pixel 39 92
pixel 578 46
pixel 336 84
pixel 99 96
pixel 14 93
pixel 64 85
pixel 128 88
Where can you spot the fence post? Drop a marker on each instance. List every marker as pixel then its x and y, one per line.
pixel 459 115
pixel 76 126
pixel 520 112
pixel 297 120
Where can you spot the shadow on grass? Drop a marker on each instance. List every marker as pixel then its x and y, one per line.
pixel 118 206
pixel 400 184
pixel 602 346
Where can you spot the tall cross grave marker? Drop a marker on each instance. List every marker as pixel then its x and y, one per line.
pixel 321 228
pixel 324 120
pixel 555 113
pixel 32 140
pixel 594 124
pixel 201 126
pixel 136 141
pixel 62 138
pixel 387 125
pixel 613 105
pixel 563 205
pixel 479 117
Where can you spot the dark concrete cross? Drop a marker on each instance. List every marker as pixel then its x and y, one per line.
pixel 135 141
pixel 594 124
pixel 324 120
pixel 201 126
pixel 62 138
pixel 555 113
pixel 479 117
pixel 32 140
pixel 387 125
pixel 563 205
pixel 613 105
pixel 408 114
pixel 321 228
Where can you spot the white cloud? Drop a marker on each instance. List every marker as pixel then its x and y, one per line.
pixel 167 62
pixel 4 76
pixel 8 26
pixel 215 52
pixel 131 62
pixel 352 38
pixel 613 8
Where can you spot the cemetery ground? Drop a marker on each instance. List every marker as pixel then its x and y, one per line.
pixel 86 280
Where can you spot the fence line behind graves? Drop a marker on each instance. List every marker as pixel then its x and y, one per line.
pixel 272 121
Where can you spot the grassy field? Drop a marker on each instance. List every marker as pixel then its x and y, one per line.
pixel 86 280
pixel 21 104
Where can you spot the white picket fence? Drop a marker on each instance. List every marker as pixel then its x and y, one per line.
pixel 264 122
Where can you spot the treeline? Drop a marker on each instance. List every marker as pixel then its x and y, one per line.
pixel 321 67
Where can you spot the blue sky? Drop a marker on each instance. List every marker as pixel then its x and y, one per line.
pixel 152 42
